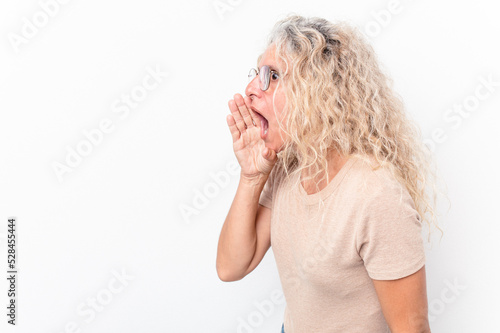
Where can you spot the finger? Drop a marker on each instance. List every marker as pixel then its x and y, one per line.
pixel 255 118
pixel 244 110
pixel 235 132
pixel 240 123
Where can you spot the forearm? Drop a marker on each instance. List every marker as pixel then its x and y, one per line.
pixel 238 238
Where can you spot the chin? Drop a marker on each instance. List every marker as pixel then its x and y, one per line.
pixel 277 150
pixel 273 147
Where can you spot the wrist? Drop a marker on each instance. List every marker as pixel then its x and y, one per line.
pixel 254 181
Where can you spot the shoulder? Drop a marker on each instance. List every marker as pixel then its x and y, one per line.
pixel 387 225
pixel 379 196
pixel 375 185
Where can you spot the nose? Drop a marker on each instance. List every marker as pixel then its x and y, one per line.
pixel 252 89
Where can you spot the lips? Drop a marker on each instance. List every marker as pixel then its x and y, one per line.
pixel 264 124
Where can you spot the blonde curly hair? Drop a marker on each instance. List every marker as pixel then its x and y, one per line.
pixel 339 98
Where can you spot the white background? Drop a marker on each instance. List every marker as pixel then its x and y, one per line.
pixel 119 209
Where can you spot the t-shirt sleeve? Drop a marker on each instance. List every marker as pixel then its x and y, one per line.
pixel 390 240
pixel 267 192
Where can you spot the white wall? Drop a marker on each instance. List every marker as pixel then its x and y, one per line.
pixel 118 209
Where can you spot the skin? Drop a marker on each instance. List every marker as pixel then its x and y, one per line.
pixel 257 154
pixel 403 301
pixel 262 101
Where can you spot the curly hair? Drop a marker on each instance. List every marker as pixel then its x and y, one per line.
pixel 339 99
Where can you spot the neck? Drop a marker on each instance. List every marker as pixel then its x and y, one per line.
pixel 335 162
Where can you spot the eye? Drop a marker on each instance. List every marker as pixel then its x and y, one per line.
pixel 274 76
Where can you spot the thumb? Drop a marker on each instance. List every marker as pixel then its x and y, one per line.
pixel 269 154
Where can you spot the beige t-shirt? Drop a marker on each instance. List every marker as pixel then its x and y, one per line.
pixel 370 230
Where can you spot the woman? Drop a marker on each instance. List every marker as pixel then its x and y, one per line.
pixel 334 176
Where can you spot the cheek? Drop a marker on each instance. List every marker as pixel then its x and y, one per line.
pixel 277 111
pixel 281 113
pixel 280 104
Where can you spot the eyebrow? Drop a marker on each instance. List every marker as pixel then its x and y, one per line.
pixel 271 67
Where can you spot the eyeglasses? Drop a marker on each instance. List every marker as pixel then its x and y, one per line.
pixel 265 74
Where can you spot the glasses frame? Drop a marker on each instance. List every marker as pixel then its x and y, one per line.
pixel 265 80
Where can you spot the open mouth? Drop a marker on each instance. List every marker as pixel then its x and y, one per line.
pixel 264 124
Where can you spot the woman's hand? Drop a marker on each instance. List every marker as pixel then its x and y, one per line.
pixel 255 159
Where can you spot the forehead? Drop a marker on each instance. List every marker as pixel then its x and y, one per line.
pixel 268 58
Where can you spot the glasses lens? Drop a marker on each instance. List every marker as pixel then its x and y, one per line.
pixel 265 76
pixel 252 74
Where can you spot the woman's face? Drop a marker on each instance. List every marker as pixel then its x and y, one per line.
pixel 262 101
